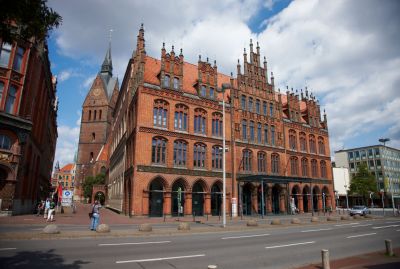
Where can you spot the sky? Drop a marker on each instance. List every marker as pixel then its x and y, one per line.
pixel 347 52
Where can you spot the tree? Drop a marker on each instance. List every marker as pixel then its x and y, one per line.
pixel 363 183
pixel 90 181
pixel 26 18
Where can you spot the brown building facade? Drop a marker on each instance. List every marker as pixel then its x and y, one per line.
pixel 166 141
pixel 28 127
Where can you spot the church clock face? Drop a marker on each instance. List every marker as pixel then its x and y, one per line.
pixel 96 92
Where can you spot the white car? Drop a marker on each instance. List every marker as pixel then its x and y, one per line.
pixel 359 210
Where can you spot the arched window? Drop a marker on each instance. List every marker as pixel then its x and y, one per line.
pixel 203 91
pixel 294 164
pixel 200 121
pixel 90 115
pixel 5 142
pixel 160 112
pixel 93 137
pixel 199 155
pixel 91 157
pixel 100 114
pixel 166 81
pixel 271 109
pixel 250 107
pixel 275 163
pixel 258 106
pixel 158 150
pixel 212 92
pixel 266 141
pixel 217 157
pixel 246 160
pixel 303 142
pixel 181 115
pixel 94 115
pixel 176 83
pixel 265 108
pixel 304 167
pixel 18 57
pixel 323 169
pixel 259 133
pixel 273 135
pixel 261 161
pixel 292 140
pixel 252 131
pixel 217 124
pixel 180 153
pixel 313 147
pixel 321 145
pixel 244 129
pixel 11 97
pixel 5 53
pixel 243 102
pixel 314 171
pixel 1 90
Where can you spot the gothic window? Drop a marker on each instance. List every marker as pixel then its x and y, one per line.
pixel 244 129
pixel 217 157
pixel 200 121
pixel 100 114
pixel 90 115
pixel 181 115
pixel 275 163
pixel 292 140
pixel 212 92
pixel 321 145
pixel 323 169
pixel 314 172
pixel 294 166
pixel 251 130
pixel 265 108
pixel 246 160
pixel 259 133
pixel 303 142
pixel 273 135
pixel 176 83
pixel 19 55
pixel 258 106
pixel 160 111
pixel 5 53
pixel 266 134
pixel 250 104
pixel 94 115
pixel 243 102
pixel 166 81
pixel 217 124
pixel 199 155
pixel 1 90
pixel 271 109
pixel 158 150
pixel 93 137
pixel 5 142
pixel 312 144
pixel 304 167
pixel 203 91
pixel 11 97
pixel 180 149
pixel 261 161
pixel 91 157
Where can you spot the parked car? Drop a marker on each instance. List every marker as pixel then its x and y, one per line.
pixel 359 210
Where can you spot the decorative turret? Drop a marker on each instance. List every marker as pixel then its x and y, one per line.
pixel 106 67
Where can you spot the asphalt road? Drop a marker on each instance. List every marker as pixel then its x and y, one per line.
pixel 285 247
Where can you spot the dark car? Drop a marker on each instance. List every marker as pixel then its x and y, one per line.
pixel 359 210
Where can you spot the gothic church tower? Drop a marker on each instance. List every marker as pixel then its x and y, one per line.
pixel 96 119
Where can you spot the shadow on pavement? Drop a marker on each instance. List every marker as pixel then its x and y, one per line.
pixel 38 259
pixel 393 265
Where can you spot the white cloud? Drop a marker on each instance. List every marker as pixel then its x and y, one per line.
pixel 64 75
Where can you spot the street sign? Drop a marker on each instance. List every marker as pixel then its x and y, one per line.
pixel 67 198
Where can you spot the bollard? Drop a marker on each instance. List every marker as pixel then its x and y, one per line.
pixel 212 267
pixel 325 259
pixel 389 248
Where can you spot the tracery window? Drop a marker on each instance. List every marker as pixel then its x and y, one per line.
pixel 160 112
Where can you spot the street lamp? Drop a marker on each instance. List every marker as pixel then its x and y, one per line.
pixel 222 89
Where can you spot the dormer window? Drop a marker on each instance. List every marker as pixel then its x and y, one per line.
pixel 166 81
pixel 176 83
pixel 203 91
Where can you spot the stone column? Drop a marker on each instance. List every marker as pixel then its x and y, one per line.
pixel 254 201
pixel 207 205
pixel 269 200
pixel 188 203
pixel 145 203
pixel 320 207
pixel 300 202
pixel 167 202
pixel 282 201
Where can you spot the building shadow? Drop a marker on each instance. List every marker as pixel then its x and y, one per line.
pixel 393 265
pixel 38 259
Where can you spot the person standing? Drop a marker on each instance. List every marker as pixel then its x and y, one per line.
pixel 95 215
pixel 52 211
pixel 46 208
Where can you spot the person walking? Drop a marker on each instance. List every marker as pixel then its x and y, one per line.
pixel 46 208
pixel 52 211
pixel 95 215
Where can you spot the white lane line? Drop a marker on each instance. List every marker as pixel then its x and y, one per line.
pixel 1 249
pixel 347 224
pixel 397 230
pixel 136 243
pixel 387 226
pixel 289 245
pixel 244 236
pixel 391 222
pixel 163 259
pixel 360 235
pixel 361 225
pixel 317 230
pixel 37 229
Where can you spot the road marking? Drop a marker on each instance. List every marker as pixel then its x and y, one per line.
pixel 360 235
pixel 244 236
pixel 361 225
pixel 289 245
pixel 163 259
pixel 137 243
pixel 28 219
pixel 317 230
pixel 37 229
pixel 347 224
pixel 1 249
pixel 387 226
pixel 391 222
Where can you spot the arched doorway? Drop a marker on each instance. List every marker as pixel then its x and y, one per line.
pixel 198 199
pixel 246 199
pixel 315 198
pixel 99 196
pixel 325 197
pixel 295 195
pixel 216 200
pixel 156 198
pixel 178 198
pixel 275 199
pixel 306 197
pixel 259 198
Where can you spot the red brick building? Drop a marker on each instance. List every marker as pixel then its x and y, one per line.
pixel 28 127
pixel 166 140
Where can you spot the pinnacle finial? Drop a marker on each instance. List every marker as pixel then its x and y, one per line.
pixel 141 26
pixel 238 62
pixel 163 45
pixel 207 59
pixel 172 48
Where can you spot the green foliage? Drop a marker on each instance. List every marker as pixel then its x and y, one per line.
pixel 90 181
pixel 363 182
pixel 32 19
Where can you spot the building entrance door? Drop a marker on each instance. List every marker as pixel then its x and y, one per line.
pixel 156 199
pixel 178 199
pixel 216 200
pixel 198 200
pixel 275 199
pixel 246 199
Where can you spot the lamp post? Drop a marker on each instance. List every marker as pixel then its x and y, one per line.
pixel 345 188
pixel 223 88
